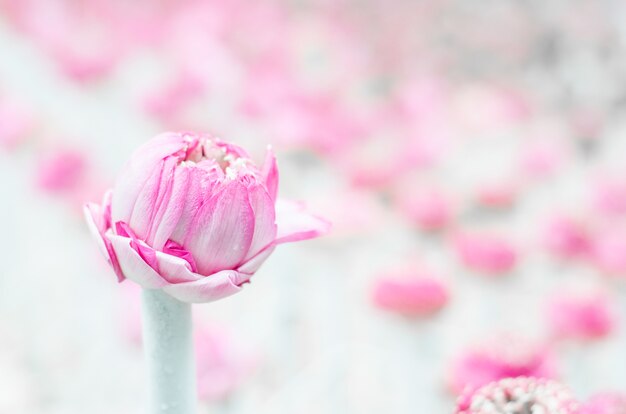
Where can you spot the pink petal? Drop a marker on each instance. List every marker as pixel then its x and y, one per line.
pixel 169 212
pixel 133 266
pixel 209 288
pixel 98 221
pixel 294 223
pixel 137 171
pixel 270 174
pixel 252 265
pixel 223 229
pixel 264 219
pixel 152 195
pixel 175 269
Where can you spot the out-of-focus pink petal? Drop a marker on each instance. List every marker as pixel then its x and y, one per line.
pixel 294 223
pixel 270 174
pixel 265 219
pixel 223 229
pixel 216 286
pixel 133 266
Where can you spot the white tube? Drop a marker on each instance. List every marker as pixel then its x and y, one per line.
pixel 168 347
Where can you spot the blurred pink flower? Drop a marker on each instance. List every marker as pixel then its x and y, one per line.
pixel 166 103
pixel 609 196
pixel 499 357
pixel 542 158
pixel 497 194
pixel 410 293
pixel 608 251
pixel 61 170
pixel 519 395
pixel 567 238
pixel 486 253
pixel 194 216
pixel 430 210
pixel 586 315
pixel 223 361
pixel 605 403
pixel 16 123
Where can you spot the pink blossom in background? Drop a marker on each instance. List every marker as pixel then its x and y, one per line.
pixel 497 194
pixel 501 356
pixel 519 395
pixel 61 170
pixel 223 361
pixel 605 403
pixel 410 293
pixel 166 103
pixel 429 209
pixel 567 237
pixel 488 253
pixel 542 158
pixel 608 251
pixel 609 196
pixel 194 216
pixel 16 124
pixel 583 316
pixel 487 107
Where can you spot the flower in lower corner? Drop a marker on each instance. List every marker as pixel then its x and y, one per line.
pixel 194 216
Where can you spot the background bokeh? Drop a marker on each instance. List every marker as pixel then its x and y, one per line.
pixel 470 154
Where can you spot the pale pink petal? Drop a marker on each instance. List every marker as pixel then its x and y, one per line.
pixel 294 223
pixel 210 288
pixel 133 266
pixel 222 232
pixel 270 174
pixel 252 265
pixel 138 169
pixel 175 269
pixel 198 186
pixel 156 190
pixel 169 212
pixel 264 219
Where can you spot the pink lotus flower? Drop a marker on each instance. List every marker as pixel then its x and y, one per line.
pixel 486 253
pixel 502 356
pixel 605 403
pixel 410 294
pixel 584 316
pixel 519 395
pixel 192 215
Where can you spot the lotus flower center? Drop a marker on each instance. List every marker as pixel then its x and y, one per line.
pixel 205 148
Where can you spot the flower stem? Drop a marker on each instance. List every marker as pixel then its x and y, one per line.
pixel 168 346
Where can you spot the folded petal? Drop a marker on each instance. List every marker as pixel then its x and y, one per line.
pixel 222 231
pixel 98 221
pixel 175 269
pixel 294 223
pixel 264 219
pixel 253 264
pixel 170 210
pixel 132 265
pixel 138 169
pixel 209 288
